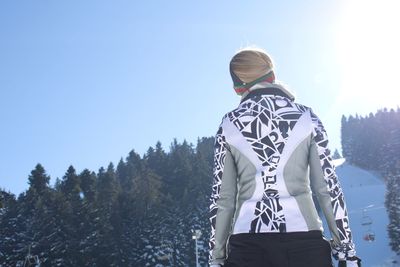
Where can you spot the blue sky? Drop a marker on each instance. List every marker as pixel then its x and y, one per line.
pixel 85 82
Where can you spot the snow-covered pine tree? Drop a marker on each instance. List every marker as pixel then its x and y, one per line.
pixel 141 214
pixel 393 207
pixel 8 214
pixel 393 187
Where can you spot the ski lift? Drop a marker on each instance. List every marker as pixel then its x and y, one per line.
pixel 366 220
pixel 369 236
pixel 31 260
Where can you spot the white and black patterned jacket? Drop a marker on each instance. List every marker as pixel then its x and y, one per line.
pixel 270 155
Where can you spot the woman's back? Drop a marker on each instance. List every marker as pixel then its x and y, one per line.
pixel 271 154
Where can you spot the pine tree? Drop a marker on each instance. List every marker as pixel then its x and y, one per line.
pixel 146 191
pixel 8 228
pixel 392 168
pixel 88 185
pixel 7 199
pixel 70 185
pixel 393 206
pixel 180 169
pixel 41 222
pixel 107 250
pixel 128 171
pixel 157 159
pixel 72 217
pixel 89 220
pixel 39 180
pixel 56 234
pixel 131 216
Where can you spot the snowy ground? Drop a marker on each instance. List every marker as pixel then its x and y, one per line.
pixel 365 197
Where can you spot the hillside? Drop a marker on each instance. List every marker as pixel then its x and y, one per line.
pixel 365 197
pixel 133 234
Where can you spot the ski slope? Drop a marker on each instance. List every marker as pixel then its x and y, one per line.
pixel 365 197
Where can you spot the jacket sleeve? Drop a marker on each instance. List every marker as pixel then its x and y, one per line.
pixel 223 199
pixel 326 186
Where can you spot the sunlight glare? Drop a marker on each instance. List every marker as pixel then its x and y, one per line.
pixel 368 47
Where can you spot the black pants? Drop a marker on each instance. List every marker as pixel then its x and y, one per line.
pixel 299 249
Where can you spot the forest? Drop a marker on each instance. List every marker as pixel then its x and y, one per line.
pixel 140 212
pixel 373 143
pixel 143 211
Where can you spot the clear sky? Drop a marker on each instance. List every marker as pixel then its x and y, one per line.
pixel 85 82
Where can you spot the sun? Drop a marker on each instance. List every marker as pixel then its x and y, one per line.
pixel 368 52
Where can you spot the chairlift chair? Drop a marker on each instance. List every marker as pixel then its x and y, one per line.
pixel 366 220
pixel 369 236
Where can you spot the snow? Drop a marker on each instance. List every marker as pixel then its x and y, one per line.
pixel 365 196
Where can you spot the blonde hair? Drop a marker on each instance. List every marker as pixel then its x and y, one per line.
pixel 251 63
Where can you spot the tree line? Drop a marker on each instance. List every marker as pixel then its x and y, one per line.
pixel 142 211
pixel 138 213
pixel 373 142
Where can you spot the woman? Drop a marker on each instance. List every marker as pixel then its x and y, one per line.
pixel 270 155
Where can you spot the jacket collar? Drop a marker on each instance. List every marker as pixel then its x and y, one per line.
pixel 269 90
